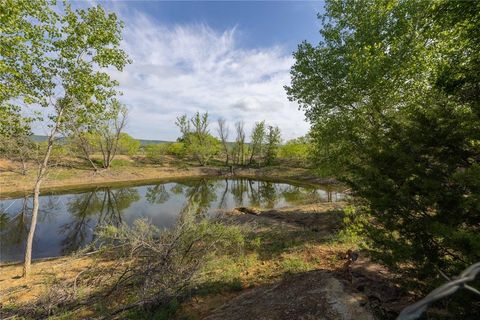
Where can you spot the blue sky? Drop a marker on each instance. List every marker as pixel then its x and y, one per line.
pixel 261 23
pixel 231 59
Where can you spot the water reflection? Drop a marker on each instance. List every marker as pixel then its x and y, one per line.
pixel 67 222
pixel 91 210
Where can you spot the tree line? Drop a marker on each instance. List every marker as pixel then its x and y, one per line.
pixel 202 145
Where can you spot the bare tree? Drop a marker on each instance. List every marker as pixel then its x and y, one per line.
pixel 223 132
pixel 109 134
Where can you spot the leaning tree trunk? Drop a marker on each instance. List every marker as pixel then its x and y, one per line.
pixel 36 195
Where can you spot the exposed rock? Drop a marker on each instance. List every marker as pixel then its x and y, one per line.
pixel 310 295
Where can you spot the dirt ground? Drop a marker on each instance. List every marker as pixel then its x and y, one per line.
pixel 298 273
pixel 364 290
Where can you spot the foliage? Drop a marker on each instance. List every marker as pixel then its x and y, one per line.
pixel 239 149
pixel 176 149
pixel 196 137
pixel 128 145
pixel 257 141
pixel 56 57
pixel 156 152
pixel 392 95
pixel 296 151
pixel 273 141
pixel 159 267
pixel 19 148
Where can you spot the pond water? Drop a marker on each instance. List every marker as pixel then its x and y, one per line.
pixel 67 221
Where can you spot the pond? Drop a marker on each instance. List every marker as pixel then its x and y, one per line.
pixel 67 221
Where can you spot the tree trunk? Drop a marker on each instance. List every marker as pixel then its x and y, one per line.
pixel 36 195
pixel 24 167
pixel 31 232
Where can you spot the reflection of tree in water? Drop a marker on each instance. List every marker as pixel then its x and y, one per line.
pixel 104 205
pixel 296 194
pixel 14 226
pixel 238 188
pixel 268 193
pixel 259 193
pixel 222 204
pixel 157 194
pixel 199 195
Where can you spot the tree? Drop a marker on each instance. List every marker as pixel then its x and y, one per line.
pixel 296 151
pixel 223 132
pixel 128 145
pixel 197 138
pixel 239 148
pixel 57 61
pixel 392 96
pixel 155 152
pixel 103 134
pixel 15 138
pixel 272 143
pixel 257 141
pixel 109 132
pixel 82 144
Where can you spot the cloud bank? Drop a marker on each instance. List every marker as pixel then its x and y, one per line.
pixel 189 68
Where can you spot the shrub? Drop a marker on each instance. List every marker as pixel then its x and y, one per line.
pixel 158 267
pixel 155 152
pixel 296 151
pixel 176 149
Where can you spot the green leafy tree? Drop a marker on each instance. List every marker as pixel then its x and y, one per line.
pixel 196 137
pixel 257 141
pixel 128 145
pixel 56 59
pixel 176 149
pixel 273 141
pixel 392 96
pixel 16 144
pixel 296 151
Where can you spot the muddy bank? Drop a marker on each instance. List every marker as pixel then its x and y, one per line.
pixel 69 179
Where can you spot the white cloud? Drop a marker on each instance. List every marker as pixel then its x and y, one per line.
pixel 186 68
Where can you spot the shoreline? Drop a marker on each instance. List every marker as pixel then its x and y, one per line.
pixel 14 185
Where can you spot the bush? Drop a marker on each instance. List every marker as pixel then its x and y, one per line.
pixel 127 145
pixel 296 151
pixel 159 267
pixel 176 149
pixel 156 152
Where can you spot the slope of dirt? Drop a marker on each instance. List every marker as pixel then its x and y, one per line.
pixel 363 290
pixel 310 295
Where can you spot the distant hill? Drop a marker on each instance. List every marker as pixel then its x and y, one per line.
pixel 40 138
pixel 147 142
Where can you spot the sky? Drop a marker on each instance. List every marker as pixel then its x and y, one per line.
pixel 230 59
